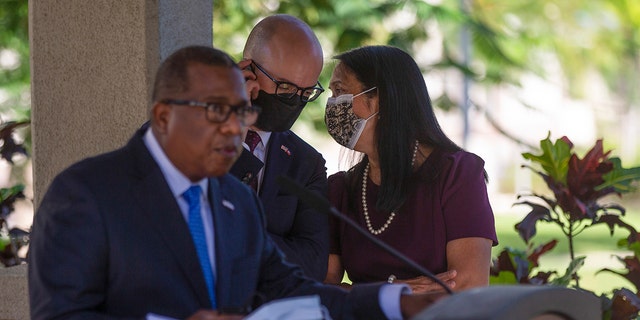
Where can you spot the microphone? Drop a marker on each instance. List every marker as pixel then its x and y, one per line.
pixel 323 205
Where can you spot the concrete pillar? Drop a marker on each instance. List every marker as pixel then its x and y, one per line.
pixel 92 69
pixel 14 303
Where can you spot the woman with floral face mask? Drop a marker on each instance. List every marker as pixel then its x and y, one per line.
pixel 413 188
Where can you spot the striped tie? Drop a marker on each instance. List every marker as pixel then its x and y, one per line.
pixel 252 140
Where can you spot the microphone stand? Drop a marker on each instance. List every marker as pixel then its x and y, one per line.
pixel 323 205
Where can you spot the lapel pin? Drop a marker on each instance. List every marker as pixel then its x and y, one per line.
pixel 285 149
pixel 247 177
pixel 227 204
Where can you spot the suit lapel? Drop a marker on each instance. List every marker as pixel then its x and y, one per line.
pixel 279 159
pixel 247 166
pixel 159 208
pixel 229 241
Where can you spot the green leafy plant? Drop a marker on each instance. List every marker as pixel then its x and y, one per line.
pixel 577 186
pixel 11 239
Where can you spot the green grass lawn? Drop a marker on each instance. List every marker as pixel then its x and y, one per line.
pixel 595 243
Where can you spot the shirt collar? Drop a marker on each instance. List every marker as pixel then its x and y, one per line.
pixel 264 138
pixel 264 135
pixel 177 181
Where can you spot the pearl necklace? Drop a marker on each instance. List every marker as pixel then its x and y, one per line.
pixel 365 175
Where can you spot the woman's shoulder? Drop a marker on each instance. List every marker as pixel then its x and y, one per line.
pixel 445 163
pixel 456 158
pixel 337 178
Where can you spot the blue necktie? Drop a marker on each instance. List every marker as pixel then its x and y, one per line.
pixel 192 195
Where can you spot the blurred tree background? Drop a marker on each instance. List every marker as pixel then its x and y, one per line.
pixel 473 54
pixel 15 98
pixel 14 60
pixel 15 110
pixel 489 44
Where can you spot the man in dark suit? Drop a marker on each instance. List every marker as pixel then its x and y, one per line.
pixel 282 62
pixel 159 229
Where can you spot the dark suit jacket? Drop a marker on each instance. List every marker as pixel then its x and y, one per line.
pixel 298 230
pixel 109 241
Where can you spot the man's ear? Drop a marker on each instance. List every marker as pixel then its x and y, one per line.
pixel 160 116
pixel 246 64
pixel 251 79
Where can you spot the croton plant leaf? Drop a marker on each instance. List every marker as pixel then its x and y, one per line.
pixel 540 250
pixel 585 174
pixel 527 227
pixel 570 273
pixel 620 179
pixel 625 305
pixel 578 183
pixel 554 159
pixel 612 220
pixel 632 266
pixel 578 186
pixel 542 277
pixel 516 266
pixel 510 261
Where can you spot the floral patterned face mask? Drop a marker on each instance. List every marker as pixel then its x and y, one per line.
pixel 344 126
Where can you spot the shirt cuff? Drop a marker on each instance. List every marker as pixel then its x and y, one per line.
pixel 151 316
pixel 389 299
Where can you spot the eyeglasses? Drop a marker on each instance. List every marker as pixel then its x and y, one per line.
pixel 288 90
pixel 217 112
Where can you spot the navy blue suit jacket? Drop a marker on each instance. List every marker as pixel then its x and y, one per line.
pixel 109 242
pixel 299 231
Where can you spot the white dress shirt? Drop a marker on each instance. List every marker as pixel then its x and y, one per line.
pixel 260 152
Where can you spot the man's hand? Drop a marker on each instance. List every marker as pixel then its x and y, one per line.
pixel 423 284
pixel 251 80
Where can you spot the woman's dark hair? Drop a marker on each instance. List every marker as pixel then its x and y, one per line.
pixel 405 115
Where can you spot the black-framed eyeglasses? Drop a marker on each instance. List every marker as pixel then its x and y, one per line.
pixel 288 90
pixel 218 112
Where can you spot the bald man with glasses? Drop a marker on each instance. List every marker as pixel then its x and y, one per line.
pixel 282 63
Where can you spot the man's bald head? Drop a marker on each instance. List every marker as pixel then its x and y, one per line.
pixel 284 53
pixel 282 37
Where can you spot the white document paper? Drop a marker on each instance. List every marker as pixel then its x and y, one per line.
pixel 296 308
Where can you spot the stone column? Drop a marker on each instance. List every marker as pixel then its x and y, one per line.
pixel 92 68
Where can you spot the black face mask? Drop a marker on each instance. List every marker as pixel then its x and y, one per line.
pixel 278 114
